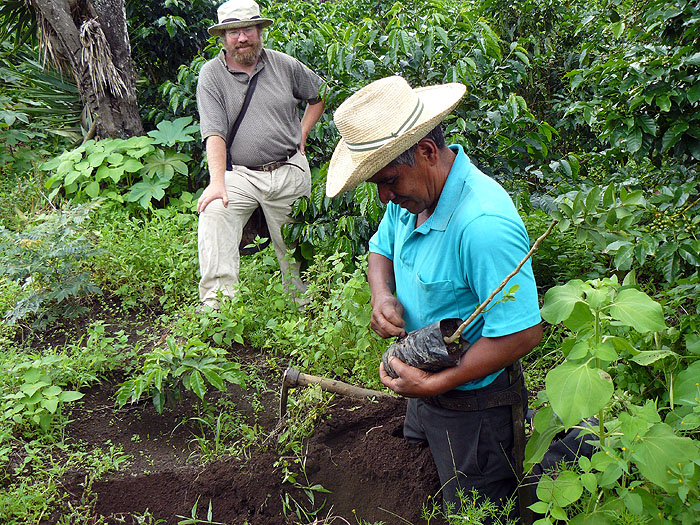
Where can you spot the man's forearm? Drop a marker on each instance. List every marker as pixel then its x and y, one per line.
pixel 311 116
pixel 380 276
pixel 216 158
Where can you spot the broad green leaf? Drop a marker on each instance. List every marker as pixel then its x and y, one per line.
pixel 664 103
pixel 31 388
pixel 50 404
pixel 634 140
pixel 645 358
pixel 692 343
pixel 214 379
pixel 559 301
pixel 131 165
pixel 634 503
pixel 605 351
pixel 624 256
pixel 647 124
pixel 146 190
pixel 686 388
pixel 170 133
pixel 693 93
pixel 158 400
pixel 563 490
pixel 539 443
pixel 577 391
pixel 660 448
pixel 589 481
pixel 638 310
pixel 197 384
pixel 70 395
pixel 92 189
pixel 52 391
pixel 581 316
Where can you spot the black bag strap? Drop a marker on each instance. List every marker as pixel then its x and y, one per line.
pixel 234 129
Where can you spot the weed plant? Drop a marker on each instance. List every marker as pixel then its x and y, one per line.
pixel 146 259
pixel 50 261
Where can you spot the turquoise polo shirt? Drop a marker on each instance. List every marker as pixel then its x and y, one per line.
pixel 452 262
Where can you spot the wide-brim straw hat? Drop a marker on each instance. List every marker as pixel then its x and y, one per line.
pixel 380 122
pixel 238 13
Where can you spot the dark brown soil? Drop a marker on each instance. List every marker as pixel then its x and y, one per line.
pixel 357 453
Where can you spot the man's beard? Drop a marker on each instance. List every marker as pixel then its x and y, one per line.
pixel 247 55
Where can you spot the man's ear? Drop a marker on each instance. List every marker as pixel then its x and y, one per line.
pixel 427 149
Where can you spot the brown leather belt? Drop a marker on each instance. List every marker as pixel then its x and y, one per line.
pixel 272 166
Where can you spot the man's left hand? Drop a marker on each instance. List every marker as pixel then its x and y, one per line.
pixel 411 381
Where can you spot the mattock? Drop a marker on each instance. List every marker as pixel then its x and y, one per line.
pixel 293 378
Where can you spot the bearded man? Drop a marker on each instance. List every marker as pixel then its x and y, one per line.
pixel 248 99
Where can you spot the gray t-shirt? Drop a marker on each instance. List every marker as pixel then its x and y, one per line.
pixel 271 128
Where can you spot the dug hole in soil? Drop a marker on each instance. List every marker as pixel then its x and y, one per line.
pixel 357 452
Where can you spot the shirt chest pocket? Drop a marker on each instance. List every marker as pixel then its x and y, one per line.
pixel 437 300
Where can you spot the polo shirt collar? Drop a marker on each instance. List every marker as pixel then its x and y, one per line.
pixel 451 194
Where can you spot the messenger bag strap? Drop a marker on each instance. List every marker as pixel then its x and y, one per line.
pixel 234 129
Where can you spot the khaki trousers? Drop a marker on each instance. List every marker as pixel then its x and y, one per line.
pixel 220 228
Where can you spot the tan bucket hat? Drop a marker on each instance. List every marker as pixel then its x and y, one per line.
pixel 238 13
pixel 380 122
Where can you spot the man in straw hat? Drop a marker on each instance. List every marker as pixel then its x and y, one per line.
pixel 449 236
pixel 259 162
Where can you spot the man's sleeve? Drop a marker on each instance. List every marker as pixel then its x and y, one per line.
pixel 213 119
pixel 491 249
pixel 382 242
pixel 306 83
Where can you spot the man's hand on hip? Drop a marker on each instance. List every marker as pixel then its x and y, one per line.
pixel 211 193
pixel 387 317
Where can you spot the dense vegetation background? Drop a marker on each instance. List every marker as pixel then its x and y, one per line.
pixel 587 112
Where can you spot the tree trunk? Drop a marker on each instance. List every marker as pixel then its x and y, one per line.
pixel 91 37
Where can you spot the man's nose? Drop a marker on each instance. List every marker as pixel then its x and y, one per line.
pixel 385 194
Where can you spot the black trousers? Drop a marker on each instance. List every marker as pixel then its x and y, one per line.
pixel 472 450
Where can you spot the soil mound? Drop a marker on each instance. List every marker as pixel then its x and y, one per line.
pixel 357 453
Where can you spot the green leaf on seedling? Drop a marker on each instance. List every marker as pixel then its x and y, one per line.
pixel 660 448
pixel 563 490
pixel 50 404
pixel 559 301
pixel 687 386
pixel 580 317
pixel 69 395
pixel 197 384
pixel 577 391
pixel 158 400
pixel 646 358
pixel 605 351
pixel 638 310
pixel 170 133
pixel 692 343
pixel 590 482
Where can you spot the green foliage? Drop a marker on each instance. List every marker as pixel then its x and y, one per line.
pixel 471 508
pixel 653 229
pixel 169 370
pixel 109 167
pixel 157 260
pixel 333 335
pixel 39 398
pixel 39 109
pixel 342 224
pixel 49 261
pixel 637 84
pixel 610 324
